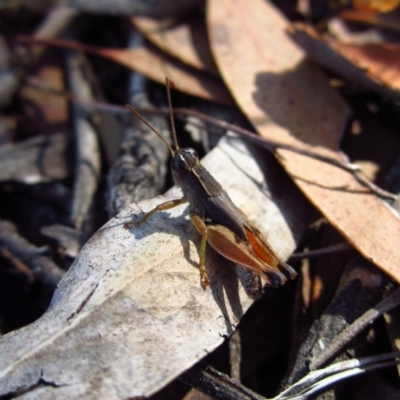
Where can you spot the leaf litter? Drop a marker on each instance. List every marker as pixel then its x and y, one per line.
pixel 115 309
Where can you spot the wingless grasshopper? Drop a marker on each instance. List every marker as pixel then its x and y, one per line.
pixel 220 223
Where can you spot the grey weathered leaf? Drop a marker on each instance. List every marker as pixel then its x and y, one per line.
pixel 130 315
pixel 41 159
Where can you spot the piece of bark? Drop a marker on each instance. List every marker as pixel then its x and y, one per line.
pixel 218 385
pixel 361 288
pixel 70 240
pixel 38 160
pixel 42 267
pixel 140 168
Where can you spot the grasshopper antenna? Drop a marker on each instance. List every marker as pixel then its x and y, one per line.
pixel 133 111
pixel 171 85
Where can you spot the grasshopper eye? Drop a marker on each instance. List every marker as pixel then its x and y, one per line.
pixel 178 163
pixel 185 159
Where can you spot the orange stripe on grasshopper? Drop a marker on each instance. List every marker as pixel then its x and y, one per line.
pixel 226 243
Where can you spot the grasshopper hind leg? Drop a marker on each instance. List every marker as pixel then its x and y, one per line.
pixel 230 246
pixel 202 229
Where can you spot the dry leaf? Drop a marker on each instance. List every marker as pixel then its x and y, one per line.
pixel 156 66
pixel 186 40
pixel 130 315
pixel 44 110
pixel 376 66
pixel 40 159
pixel 289 100
pixel 378 20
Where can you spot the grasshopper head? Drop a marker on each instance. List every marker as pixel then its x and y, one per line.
pixel 183 161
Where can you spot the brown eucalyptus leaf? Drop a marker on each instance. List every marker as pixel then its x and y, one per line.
pixel 130 315
pixel 375 65
pixel 289 100
pixel 365 17
pixel 382 6
pixel 186 40
pixel 43 111
pixel 155 65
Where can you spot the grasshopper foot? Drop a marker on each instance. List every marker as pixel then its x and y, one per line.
pixel 287 270
pixel 205 282
pixel 276 278
pixel 279 278
pixel 130 224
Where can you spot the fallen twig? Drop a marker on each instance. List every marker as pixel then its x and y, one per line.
pixel 18 248
pixel 336 248
pixel 391 301
pixel 353 169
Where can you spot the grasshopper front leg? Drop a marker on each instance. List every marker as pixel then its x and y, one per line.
pixel 161 207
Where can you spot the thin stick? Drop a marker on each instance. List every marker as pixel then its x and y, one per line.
pixel 336 248
pixel 356 327
pixel 19 251
pixel 246 134
pixel 272 145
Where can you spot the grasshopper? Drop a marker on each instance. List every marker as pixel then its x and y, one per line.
pixel 220 223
